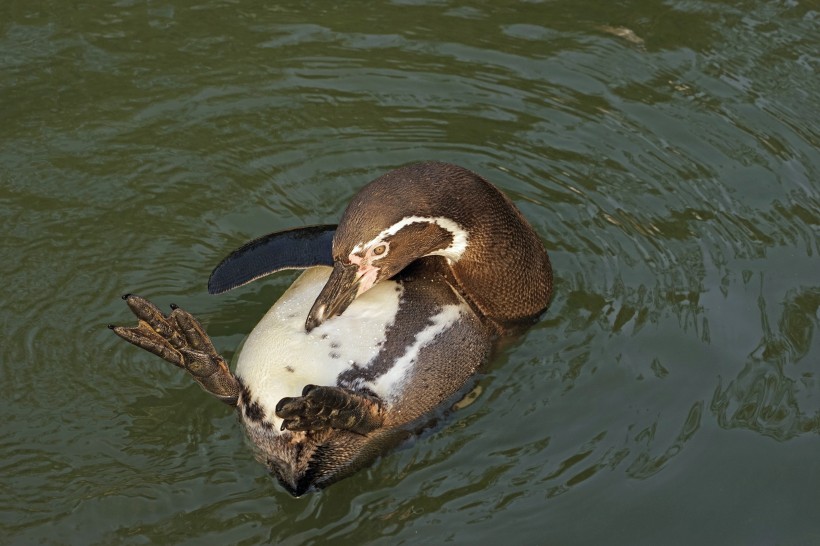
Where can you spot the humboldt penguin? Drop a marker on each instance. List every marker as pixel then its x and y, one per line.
pixel 397 308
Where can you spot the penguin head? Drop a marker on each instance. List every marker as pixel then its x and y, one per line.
pixel 393 221
pixel 437 209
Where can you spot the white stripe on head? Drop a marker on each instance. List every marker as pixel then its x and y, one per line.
pixel 452 252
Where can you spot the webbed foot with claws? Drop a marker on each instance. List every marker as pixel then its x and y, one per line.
pixel 180 339
pixel 330 407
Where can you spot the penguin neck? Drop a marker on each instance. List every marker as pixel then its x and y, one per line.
pixel 506 273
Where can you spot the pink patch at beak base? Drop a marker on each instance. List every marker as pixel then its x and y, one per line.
pixel 367 276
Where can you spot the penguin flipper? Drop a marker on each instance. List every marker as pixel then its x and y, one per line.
pixel 297 248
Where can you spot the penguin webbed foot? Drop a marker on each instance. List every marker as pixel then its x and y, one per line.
pixel 180 339
pixel 321 408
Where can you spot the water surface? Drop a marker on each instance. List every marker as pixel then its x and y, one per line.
pixel 666 152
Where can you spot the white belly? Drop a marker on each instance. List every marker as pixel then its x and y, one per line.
pixel 279 357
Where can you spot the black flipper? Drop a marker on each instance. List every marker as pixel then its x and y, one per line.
pixel 297 248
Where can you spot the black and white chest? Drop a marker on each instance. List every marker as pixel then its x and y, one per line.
pixel 391 342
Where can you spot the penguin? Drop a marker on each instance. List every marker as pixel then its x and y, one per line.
pixel 396 309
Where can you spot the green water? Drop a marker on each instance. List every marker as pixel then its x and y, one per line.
pixel 666 152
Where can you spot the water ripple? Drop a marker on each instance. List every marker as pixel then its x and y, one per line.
pixel 667 157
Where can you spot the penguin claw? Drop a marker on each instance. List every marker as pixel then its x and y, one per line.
pixel 321 408
pixel 307 389
pixel 180 339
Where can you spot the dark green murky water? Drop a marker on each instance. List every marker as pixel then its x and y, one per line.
pixel 667 153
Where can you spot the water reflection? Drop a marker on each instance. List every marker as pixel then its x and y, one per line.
pixel 767 393
pixel 645 465
pixel 666 152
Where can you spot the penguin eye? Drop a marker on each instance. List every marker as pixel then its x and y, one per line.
pixel 379 250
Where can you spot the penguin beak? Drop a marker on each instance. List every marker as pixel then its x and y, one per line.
pixel 340 290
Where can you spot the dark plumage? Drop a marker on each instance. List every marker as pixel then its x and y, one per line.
pixel 504 271
pixel 430 264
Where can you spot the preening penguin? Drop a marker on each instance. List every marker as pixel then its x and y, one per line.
pixel 398 306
